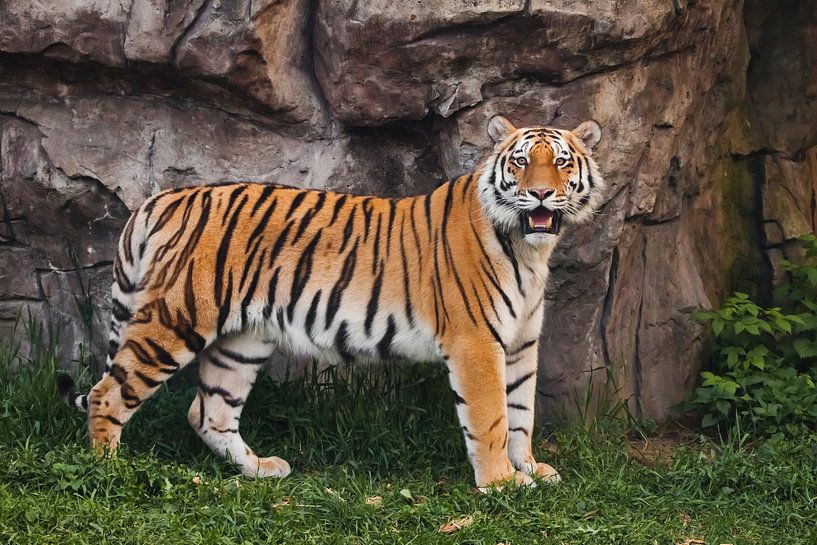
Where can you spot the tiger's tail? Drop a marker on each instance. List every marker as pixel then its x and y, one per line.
pixel 68 393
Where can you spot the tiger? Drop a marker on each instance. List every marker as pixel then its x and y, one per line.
pixel 227 273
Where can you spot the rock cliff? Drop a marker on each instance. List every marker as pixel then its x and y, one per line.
pixel 708 109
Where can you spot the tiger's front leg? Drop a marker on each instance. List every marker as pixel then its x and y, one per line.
pixel 520 375
pixel 477 376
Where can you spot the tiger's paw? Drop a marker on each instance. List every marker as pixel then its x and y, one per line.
pixel 271 466
pixel 544 472
pixel 517 478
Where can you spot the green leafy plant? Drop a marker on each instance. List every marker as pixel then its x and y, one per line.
pixel 764 366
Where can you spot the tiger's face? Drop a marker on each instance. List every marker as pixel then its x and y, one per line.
pixel 540 177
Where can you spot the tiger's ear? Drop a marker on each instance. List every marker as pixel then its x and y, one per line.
pixel 499 128
pixel 589 132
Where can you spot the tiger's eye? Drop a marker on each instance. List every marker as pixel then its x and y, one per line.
pixel 521 162
pixel 561 161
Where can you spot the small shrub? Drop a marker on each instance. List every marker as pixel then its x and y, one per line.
pixel 764 367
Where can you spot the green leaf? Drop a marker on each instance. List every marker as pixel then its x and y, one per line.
pixel 717 326
pixel 811 274
pixel 708 420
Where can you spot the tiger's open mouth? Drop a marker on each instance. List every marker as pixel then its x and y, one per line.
pixel 541 220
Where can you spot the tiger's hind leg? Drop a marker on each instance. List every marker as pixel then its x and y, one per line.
pixel 227 371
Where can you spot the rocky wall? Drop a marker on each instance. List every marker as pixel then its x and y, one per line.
pixel 708 146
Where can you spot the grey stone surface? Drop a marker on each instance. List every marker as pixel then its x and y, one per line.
pixel 707 111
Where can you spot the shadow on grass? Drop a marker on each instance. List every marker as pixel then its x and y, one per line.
pixel 382 420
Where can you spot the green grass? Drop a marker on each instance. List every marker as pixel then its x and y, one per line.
pixel 353 439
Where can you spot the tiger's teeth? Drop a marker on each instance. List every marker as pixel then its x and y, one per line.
pixel 549 222
pixel 530 223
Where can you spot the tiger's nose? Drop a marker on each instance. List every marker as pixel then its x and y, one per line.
pixel 542 194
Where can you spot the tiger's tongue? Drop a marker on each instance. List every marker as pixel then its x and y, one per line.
pixel 541 217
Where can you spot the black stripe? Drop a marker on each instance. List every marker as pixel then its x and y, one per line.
pixel 311 313
pixel 427 205
pixel 371 308
pixel 161 354
pixel 212 358
pixel 127 238
pixel 149 382
pixel 109 418
pixel 461 289
pixel 131 400
pixel 279 243
pixel 342 342
pixel 491 329
pixel 303 271
pixel 413 224
pixel 367 217
pixel 219 391
pixel 273 285
pixel 296 201
pixel 241 358
pixel 194 237
pixel 138 351
pixel 201 411
pixel 347 229
pixel 251 290
pixel 247 265
pixel 307 219
pixel 524 346
pixel 223 248
pixel 113 348
pixel 459 400
pixel 122 280
pixel 523 430
pixel 406 282
pixel 265 193
pixel 120 311
pixel 384 346
pixel 518 382
pixel 338 205
pixel 165 216
pixel 346 273
pixel 262 223
pixel 376 249
pixel 449 200
pixel 518 407
pixel 502 293
pixel 189 295
pixel 509 253
pixel 392 212
pixel 590 182
pixel 224 308
pixel 119 373
pixel 439 283
pixel 233 196
pixel 174 239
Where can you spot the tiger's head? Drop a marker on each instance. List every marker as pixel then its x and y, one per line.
pixel 540 177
